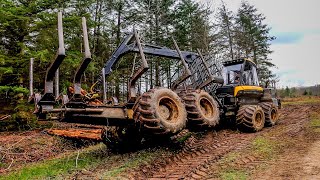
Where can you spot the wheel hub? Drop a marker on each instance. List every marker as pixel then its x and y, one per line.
pixel 206 108
pixel 164 111
pixel 258 119
pixel 273 114
pixel 168 110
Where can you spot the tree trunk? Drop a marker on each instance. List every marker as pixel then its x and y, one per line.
pixel 157 29
pixel 118 42
pixel 119 23
pixel 227 19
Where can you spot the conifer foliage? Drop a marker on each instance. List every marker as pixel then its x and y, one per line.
pixel 28 29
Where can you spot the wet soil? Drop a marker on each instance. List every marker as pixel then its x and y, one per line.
pixel 198 157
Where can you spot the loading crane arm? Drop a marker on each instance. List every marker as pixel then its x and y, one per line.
pixel 131 45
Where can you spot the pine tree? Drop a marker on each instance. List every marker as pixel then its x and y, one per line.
pixel 20 22
pixel 225 23
pixel 253 39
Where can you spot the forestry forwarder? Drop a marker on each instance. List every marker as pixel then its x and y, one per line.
pixel 159 111
pixel 163 111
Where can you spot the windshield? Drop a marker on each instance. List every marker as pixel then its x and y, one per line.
pixel 249 76
pixel 231 74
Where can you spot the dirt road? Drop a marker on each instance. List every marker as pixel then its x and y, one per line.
pixel 202 158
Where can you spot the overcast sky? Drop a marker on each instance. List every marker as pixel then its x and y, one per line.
pixel 296 24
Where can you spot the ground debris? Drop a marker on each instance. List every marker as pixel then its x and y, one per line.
pixel 2 118
pixel 88 134
pixel 285 151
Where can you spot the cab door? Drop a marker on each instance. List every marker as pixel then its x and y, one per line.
pixel 249 75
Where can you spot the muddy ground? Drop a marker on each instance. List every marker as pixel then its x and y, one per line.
pixel 289 150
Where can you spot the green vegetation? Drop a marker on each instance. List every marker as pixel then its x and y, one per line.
pixel 315 121
pixel 29 30
pixel 264 147
pixel 233 175
pixel 142 157
pixel 184 138
pixel 13 91
pixel 230 157
pixel 261 147
pixel 59 166
pixel 88 158
pixel 300 91
pixel 301 100
pixel 22 117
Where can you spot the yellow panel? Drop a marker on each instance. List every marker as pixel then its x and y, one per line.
pixel 250 61
pixel 239 88
pixel 130 114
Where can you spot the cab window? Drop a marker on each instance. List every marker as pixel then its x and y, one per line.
pixel 231 74
pixel 249 76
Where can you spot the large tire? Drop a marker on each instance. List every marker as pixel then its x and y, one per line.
pixel 270 112
pixel 136 113
pixel 161 111
pixel 250 118
pixel 202 109
pixel 121 139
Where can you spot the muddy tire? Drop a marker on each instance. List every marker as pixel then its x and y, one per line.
pixel 136 112
pixel 161 111
pixel 202 109
pixel 250 118
pixel 121 139
pixel 271 113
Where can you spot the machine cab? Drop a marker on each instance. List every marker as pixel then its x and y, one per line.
pixel 240 76
pixel 240 72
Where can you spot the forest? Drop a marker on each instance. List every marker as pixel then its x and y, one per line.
pixel 28 29
pixel 212 124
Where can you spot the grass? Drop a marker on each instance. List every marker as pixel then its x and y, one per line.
pixel 315 121
pixel 54 167
pixel 301 100
pixel 228 172
pixel 231 157
pixel 184 138
pixel 264 147
pixel 261 147
pixel 3 165
pixel 233 174
pixel 64 166
pixel 142 157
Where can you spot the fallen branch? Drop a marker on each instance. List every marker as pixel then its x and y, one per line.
pixel 5 117
pixel 9 165
pixel 77 158
pixel 3 157
pixel 11 146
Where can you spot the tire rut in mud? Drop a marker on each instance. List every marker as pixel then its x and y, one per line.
pixel 193 160
pixel 199 156
pixel 294 118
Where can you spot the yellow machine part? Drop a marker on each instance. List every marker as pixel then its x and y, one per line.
pixel 246 88
pixel 250 61
pixel 130 114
